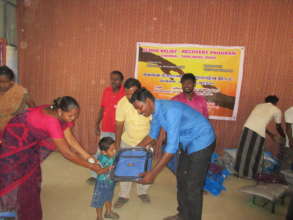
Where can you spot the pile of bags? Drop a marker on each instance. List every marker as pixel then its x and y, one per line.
pixel 222 167
pixel 216 176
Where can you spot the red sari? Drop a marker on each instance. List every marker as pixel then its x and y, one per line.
pixel 26 142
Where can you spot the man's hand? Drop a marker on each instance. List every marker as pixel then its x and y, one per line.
pixel 159 144
pixel 156 145
pixel 279 140
pixel 158 151
pixel 148 178
pixel 98 131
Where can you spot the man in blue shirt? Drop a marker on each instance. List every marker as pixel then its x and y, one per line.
pixel 187 131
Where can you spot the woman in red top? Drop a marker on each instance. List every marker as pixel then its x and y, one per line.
pixel 27 140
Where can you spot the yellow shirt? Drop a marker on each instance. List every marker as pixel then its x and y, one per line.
pixel 136 126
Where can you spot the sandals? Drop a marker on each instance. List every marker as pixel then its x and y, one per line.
pixel 112 215
pixel 145 198
pixel 91 181
pixel 120 202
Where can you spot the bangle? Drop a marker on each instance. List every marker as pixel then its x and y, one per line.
pixel 91 160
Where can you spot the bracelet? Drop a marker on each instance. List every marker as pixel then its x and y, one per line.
pixel 91 160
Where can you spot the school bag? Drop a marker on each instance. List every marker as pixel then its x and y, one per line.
pixel 130 163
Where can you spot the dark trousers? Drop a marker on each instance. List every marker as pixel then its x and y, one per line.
pixel 191 174
pixel 290 209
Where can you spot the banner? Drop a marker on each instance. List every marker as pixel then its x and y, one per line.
pixel 218 70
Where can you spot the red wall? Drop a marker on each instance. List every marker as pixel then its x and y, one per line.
pixel 68 47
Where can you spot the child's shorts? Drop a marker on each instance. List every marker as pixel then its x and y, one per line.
pixel 103 192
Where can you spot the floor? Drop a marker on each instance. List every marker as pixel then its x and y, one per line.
pixel 66 196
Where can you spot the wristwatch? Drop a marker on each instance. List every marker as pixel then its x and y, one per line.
pixel 91 160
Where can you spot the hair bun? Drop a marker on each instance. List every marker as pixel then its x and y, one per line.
pixel 56 103
pixel 64 103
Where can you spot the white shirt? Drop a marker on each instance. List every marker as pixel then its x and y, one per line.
pixel 261 116
pixel 289 119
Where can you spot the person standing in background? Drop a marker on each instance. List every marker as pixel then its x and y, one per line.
pixel 189 97
pixel 105 125
pixel 13 97
pixel 131 128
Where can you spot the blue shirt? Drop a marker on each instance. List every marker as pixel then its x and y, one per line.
pixel 184 126
pixel 104 162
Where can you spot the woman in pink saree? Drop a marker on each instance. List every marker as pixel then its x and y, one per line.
pixel 27 140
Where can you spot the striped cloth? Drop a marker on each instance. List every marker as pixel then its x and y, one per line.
pixel 250 154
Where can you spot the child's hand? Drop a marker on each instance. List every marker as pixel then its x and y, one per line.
pixel 110 168
pixel 100 170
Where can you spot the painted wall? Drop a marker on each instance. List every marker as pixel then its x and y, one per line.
pixel 68 47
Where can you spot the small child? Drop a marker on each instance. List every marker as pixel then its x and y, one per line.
pixel 104 187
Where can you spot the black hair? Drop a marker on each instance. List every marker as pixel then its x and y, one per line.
pixel 141 95
pixel 105 143
pixel 116 72
pixel 272 99
pixel 6 71
pixel 188 76
pixel 65 103
pixel 130 82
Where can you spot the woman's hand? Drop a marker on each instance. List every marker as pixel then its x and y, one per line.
pixel 96 168
pixel 73 143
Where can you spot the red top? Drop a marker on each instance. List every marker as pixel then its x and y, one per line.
pixel 197 102
pixel 51 125
pixel 109 102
